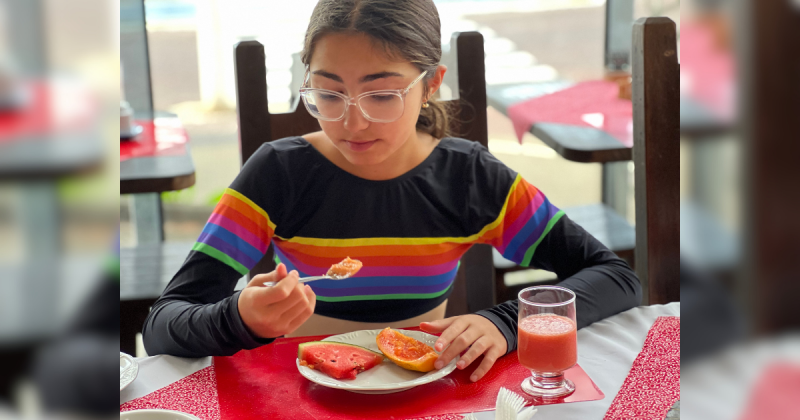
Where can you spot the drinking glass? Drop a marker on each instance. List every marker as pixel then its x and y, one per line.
pixel 547 339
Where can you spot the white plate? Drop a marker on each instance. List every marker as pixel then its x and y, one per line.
pixel 128 369
pixel 155 415
pixel 384 378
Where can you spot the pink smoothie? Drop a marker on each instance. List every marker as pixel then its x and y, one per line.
pixel 547 343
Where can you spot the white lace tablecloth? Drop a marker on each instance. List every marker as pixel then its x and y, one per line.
pixel 606 351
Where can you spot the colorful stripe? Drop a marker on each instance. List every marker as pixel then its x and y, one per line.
pixel 221 256
pixel 526 261
pixel 368 270
pixel 419 268
pixel 376 283
pixel 238 232
pixel 413 242
pixel 527 217
pixel 382 297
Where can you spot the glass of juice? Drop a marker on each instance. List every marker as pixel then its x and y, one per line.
pixel 547 339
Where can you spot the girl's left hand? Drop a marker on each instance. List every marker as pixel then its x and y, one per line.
pixel 475 332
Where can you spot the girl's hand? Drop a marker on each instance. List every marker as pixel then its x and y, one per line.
pixel 475 332
pixel 278 310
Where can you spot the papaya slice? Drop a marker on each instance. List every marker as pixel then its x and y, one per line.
pixel 345 269
pixel 406 352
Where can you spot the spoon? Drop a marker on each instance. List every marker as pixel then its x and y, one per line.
pixel 343 270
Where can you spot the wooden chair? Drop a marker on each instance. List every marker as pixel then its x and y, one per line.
pixel 474 285
pixel 656 127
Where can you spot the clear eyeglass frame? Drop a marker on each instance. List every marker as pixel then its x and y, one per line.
pixel 355 100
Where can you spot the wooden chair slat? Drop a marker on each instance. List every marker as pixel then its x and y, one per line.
pixel 656 126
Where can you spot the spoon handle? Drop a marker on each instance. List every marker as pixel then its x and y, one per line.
pixel 308 279
pixel 302 280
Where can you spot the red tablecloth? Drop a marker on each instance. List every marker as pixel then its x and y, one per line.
pixel 160 137
pixel 251 384
pixel 264 383
pixel 594 103
pixel 196 394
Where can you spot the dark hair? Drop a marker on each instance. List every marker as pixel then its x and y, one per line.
pixel 407 29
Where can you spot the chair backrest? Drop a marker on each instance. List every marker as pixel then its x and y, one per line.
pixel 656 143
pixel 474 286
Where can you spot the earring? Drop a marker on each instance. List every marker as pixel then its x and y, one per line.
pixel 425 105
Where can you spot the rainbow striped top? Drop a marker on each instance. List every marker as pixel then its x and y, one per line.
pixel 410 232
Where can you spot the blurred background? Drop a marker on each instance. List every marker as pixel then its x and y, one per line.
pixel 59 264
pixel 191 74
pixel 63 68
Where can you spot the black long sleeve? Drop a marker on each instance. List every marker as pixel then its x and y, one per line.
pixel 603 283
pixel 197 315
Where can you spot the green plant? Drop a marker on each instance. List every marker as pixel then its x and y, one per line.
pixel 214 198
pixel 178 197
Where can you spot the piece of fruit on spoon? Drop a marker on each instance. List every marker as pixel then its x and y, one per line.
pixel 345 269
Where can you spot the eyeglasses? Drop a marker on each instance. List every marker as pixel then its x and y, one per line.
pixel 381 106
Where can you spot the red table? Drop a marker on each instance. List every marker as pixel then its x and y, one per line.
pixel 708 83
pixel 156 160
pixel 52 134
pixel 586 122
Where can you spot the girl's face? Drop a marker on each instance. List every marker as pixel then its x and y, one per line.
pixel 352 65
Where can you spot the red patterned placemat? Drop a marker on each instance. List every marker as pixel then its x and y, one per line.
pixel 265 383
pixel 654 381
pixel 195 394
pixel 594 103
pixel 159 137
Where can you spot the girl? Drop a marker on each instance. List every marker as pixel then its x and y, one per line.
pixel 384 184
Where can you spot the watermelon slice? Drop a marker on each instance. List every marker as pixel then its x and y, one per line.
pixel 338 360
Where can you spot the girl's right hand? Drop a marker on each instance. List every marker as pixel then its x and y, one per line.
pixel 271 312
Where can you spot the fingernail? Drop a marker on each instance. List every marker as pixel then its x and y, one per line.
pixel 438 364
pixel 460 364
pixel 473 378
pixel 439 346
